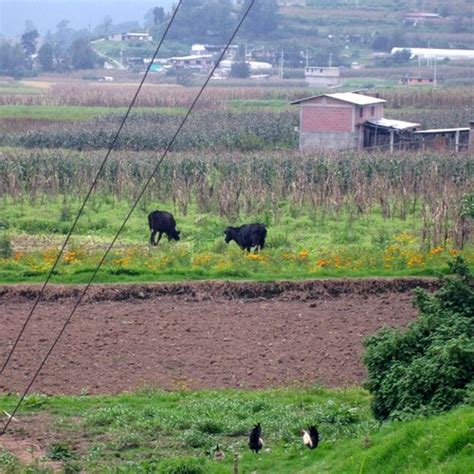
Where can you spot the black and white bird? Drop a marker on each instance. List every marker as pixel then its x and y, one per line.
pixel 218 454
pixel 255 438
pixel 310 437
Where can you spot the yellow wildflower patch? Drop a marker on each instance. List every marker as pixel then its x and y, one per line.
pixel 415 261
pixel 322 263
pixel 70 257
pixel 256 257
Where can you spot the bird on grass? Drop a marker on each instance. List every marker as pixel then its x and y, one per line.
pixel 310 437
pixel 218 454
pixel 255 438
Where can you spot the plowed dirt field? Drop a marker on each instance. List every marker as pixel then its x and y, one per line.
pixel 199 335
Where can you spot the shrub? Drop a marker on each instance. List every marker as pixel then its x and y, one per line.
pixel 240 69
pixel 61 452
pixel 428 368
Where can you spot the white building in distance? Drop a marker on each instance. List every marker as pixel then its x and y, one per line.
pixel 322 76
pixel 432 54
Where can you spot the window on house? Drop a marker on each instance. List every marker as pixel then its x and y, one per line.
pixel 372 110
pixel 361 112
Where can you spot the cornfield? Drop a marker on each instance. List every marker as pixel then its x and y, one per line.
pixel 433 186
pixel 120 95
pixel 153 131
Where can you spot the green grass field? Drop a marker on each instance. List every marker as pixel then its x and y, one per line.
pixel 175 432
pixel 301 243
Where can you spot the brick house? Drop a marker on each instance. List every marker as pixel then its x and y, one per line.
pixel 335 121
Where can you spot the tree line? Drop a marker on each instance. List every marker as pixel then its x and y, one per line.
pixel 65 49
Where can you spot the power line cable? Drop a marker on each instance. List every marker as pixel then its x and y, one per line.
pixel 140 195
pixel 94 183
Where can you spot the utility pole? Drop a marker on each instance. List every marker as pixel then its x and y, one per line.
pixel 330 59
pixel 281 65
pixel 307 58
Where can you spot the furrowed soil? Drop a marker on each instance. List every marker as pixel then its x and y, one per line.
pixel 199 335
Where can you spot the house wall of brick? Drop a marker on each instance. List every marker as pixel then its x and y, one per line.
pixel 367 113
pixel 316 118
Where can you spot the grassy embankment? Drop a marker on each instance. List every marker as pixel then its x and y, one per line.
pixel 174 432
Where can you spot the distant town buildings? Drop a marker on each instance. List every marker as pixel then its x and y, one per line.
pixel 322 76
pixel 193 61
pixel 416 18
pixel 416 81
pixel 131 37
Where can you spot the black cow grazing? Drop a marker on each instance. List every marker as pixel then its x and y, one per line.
pixel 162 222
pixel 247 236
pixel 255 438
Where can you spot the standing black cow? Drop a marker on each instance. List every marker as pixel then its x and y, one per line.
pixel 162 222
pixel 247 236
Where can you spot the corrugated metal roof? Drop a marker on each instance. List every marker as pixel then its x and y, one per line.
pixel 351 97
pixel 443 130
pixel 191 57
pixel 394 124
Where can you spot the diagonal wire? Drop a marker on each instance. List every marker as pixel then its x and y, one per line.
pixel 94 183
pixel 140 195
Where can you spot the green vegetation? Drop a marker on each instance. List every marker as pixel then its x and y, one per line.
pixel 15 88
pixel 355 214
pixel 68 113
pixel 430 367
pixel 153 131
pixel 176 432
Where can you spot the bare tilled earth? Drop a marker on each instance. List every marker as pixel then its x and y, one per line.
pixel 199 335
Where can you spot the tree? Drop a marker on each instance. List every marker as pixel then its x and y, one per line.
pixel 12 59
pixel 262 20
pixel 158 15
pixel 81 54
pixel 240 69
pixel 202 20
pixel 46 57
pixel 401 57
pixel 381 42
pixel 28 41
